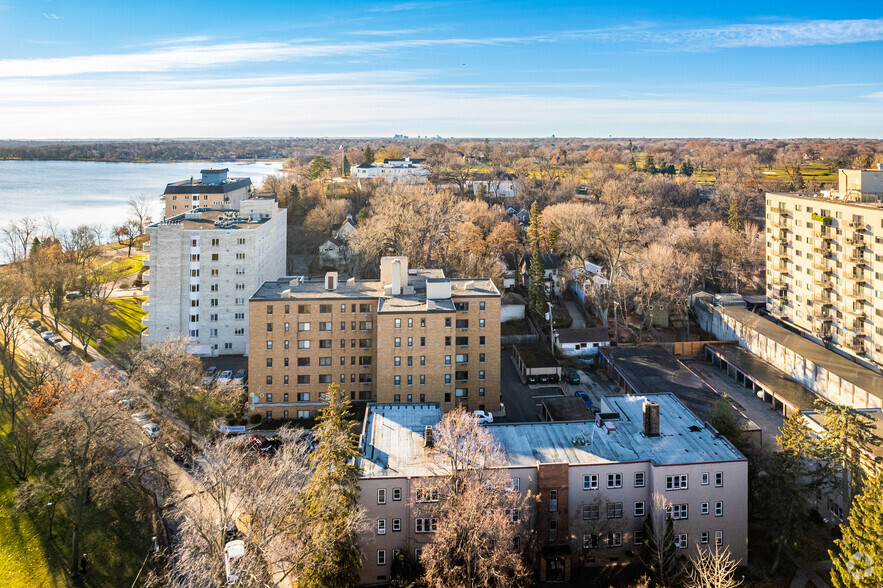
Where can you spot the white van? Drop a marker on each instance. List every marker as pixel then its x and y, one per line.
pixel 63 347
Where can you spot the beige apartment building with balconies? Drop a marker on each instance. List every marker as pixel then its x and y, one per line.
pixel 412 336
pixel 825 263
pixel 213 189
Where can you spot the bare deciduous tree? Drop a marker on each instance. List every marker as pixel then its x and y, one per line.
pixel 713 568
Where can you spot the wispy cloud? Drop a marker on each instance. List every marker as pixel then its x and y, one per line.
pixel 182 40
pixel 189 57
pixel 52 16
pixel 403 6
pixel 736 36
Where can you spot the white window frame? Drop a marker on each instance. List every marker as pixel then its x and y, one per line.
pixel 381 557
pixel 718 479
pixel 718 509
pixel 381 496
pixel 678 512
pixel 677 482
pixel 640 508
pixel 381 526
pixel 704 508
pixel 682 540
pixel 590 482
pixel 614 481
pixel 643 479
pixel 426 494
pixel 704 479
pixel 718 538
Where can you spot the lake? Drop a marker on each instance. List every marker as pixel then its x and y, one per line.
pixel 93 192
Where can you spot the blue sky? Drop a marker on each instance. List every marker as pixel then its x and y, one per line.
pixel 112 69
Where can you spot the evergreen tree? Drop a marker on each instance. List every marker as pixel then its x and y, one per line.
pixel 848 434
pixel 486 151
pixel 318 166
pixel 734 216
pixel 345 166
pixel 633 165
pixel 480 193
pixel 858 555
pixel 296 210
pixel 659 552
pixel 687 168
pixel 536 294
pixel 369 154
pixel 332 498
pixel 650 165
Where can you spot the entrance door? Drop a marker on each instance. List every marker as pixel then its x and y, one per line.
pixel 555 570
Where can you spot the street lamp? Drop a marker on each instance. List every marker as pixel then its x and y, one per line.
pixel 551 328
pixel 50 507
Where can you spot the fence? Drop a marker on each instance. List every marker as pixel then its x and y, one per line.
pixel 691 347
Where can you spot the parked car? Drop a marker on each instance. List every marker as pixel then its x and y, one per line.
pixel 63 347
pixel 41 328
pixel 233 551
pixel 151 430
pixel 55 339
pixel 571 376
pixel 585 398
pixel 127 403
pixel 34 323
pixel 225 377
pixel 46 335
pixel 209 374
pixel 175 450
pixel 73 295
pixel 141 418
pixel 239 378
pixel 231 532
pixel 481 417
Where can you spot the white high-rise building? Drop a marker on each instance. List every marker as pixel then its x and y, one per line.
pixel 824 255
pixel 204 266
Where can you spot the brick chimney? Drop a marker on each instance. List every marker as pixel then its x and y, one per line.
pixel 651 418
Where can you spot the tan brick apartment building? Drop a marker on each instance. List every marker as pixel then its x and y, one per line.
pixel 597 482
pixel 413 336
pixel 824 254
pixel 212 189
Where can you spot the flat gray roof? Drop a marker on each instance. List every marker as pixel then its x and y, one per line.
pixel 392 439
pixel 850 371
pixel 651 370
pixel 784 387
pixel 314 289
pixel 583 335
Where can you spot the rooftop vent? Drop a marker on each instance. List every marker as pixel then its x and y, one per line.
pixel 427 436
pixel 651 418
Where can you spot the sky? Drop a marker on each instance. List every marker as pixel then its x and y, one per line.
pixel 95 69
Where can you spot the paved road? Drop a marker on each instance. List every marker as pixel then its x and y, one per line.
pixel 521 406
pixel 751 407
pixel 578 321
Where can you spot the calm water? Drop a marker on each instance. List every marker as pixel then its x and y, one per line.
pixel 77 192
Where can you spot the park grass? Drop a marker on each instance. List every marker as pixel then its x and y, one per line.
pixel 122 267
pixel 124 327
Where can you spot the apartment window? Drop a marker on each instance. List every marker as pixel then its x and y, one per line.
pixel 215 273
pixel 590 482
pixel 718 479
pixel 240 316
pixel 480 374
pixel 269 415
pixel 481 391
pixel 381 526
pixel 681 541
pixel 422 341
pixel 462 323
pixel 704 479
pixel 614 480
pixel 269 362
pixel 481 306
pixel 397 380
pixel 325 308
pixel 303 396
pixel 614 510
pixel 285 381
pixel 410 381
pixel 590 541
pixel 381 557
pixel 429 494
pixel 678 482
pixel 590 512
pixel 364 360
pixel 718 538
pixel 397 342
pixel 639 479
pixel 269 345
pixel 553 530
pixel 639 536
pixel 718 509
pixel 239 331
pixel 425 525
pixel 396 525
pixel 303 414
pixel 553 501
pixel 324 361
pixel 381 496
pixel 481 340
pixel 303 327
pixel 480 323
pixel 410 341
pixel 447 341
pixel 396 397
pixel 240 301
pixel 677 511
pixel 397 361
pixel 613 539
pixel 324 343
pixel 481 358
pixel 396 493
pixel 703 508
pixel 240 286
pixel 447 360
pixel 461 306
pixel 325 326
pixel 513 514
pixel 364 308
pixel 269 327
pixel 410 360
pixel 640 510
pixel 366 325
pixel 303 379
pixel 464 341
pixel 703 538
pixel 324 378
pixel 303 361
pixel 398 323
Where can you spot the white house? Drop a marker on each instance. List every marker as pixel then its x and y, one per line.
pixel 407 170
pixel 346 230
pixel 511 307
pixel 583 343
pixel 584 280
pixel 552 279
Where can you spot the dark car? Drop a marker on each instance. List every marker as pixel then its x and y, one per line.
pixel 571 376
pixel 585 398
pixel 34 323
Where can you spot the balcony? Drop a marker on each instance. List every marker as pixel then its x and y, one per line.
pixel 780 252
pixel 145 306
pixel 774 208
pixel 823 248
pixel 821 299
pixel 145 247
pixel 856 258
pixel 822 267
pixel 856 344
pixel 782 224
pixel 857 240
pixel 145 277
pixel 856 224
pixel 858 294
pixel 823 281
pixel 145 320
pixel 855 310
pixel 823 234
pixel 145 290
pixel 860 328
pixel 820 314
pixel 855 276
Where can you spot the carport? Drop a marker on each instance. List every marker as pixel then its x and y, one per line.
pixel 768 383
pixel 536 364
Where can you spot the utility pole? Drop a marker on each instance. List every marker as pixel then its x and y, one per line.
pixel 551 328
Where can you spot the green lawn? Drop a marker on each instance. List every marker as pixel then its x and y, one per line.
pixel 124 326
pixel 123 266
